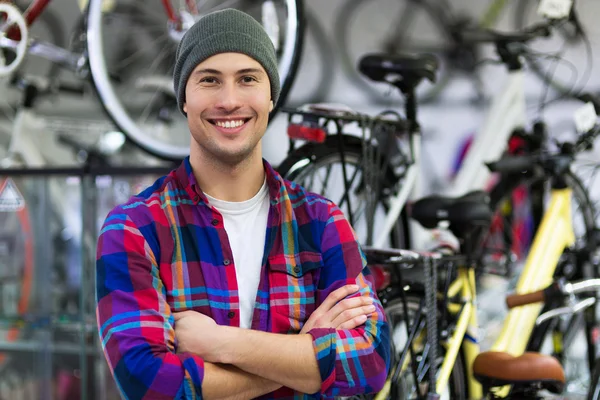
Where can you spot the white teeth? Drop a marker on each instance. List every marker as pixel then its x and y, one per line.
pixel 229 124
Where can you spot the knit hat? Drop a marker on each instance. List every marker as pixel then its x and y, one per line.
pixel 224 31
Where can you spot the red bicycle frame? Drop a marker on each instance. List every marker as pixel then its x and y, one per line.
pixel 37 7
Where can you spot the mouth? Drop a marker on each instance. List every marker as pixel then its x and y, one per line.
pixel 230 125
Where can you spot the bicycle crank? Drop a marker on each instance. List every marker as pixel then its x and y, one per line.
pixel 13 39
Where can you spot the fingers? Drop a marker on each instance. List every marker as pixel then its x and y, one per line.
pixel 348 304
pixel 351 314
pixel 337 295
pixel 181 314
pixel 354 322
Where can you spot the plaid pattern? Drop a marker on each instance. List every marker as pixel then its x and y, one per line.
pixel 166 251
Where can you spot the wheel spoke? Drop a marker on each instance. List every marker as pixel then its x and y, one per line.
pixel 6 43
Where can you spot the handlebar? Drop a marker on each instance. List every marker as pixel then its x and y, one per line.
pixel 513 164
pixel 555 163
pixel 476 35
pixel 557 290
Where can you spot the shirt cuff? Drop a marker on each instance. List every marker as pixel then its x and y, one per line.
pixel 193 375
pixel 324 345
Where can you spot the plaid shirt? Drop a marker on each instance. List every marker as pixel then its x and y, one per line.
pixel 166 250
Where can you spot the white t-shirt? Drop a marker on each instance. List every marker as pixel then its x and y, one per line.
pixel 246 226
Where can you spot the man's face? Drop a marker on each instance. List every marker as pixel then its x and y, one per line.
pixel 228 100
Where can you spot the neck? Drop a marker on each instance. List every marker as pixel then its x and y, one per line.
pixel 226 182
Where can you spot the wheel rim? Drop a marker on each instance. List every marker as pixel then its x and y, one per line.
pixel 326 173
pixel 13 44
pixel 158 127
pixel 394 312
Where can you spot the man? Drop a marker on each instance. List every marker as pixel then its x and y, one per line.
pixel 222 280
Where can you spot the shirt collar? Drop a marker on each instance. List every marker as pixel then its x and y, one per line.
pixel 187 180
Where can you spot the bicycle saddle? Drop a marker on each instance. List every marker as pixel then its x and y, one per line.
pixel 401 70
pixel 494 369
pixel 467 211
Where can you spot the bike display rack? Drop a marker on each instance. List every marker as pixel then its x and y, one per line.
pixel 56 333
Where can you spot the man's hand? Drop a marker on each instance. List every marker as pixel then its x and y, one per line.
pixel 337 313
pixel 198 334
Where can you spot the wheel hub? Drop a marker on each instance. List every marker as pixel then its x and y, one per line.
pixel 13 38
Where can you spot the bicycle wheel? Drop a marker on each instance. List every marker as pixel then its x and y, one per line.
pixel 394 310
pixel 319 169
pixel 131 50
pixel 569 41
pixel 406 26
pixel 317 71
pixel 576 346
pixel 594 391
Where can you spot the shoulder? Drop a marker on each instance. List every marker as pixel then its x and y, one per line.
pixel 149 206
pixel 309 204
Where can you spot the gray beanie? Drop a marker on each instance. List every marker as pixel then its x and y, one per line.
pixel 224 31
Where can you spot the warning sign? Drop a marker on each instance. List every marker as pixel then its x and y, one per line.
pixel 10 197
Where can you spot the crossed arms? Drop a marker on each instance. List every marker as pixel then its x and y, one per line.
pixel 156 354
pixel 242 364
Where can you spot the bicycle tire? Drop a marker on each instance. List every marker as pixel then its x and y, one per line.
pixel 349 58
pixel 316 86
pixel 393 307
pixel 174 145
pixel 594 391
pixel 311 156
pixel 559 80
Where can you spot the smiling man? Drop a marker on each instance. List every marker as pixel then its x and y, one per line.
pixel 222 280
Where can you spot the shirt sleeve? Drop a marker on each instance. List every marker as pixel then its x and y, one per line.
pixel 351 361
pixel 134 320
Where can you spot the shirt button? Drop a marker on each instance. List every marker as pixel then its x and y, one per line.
pixel 196 198
pixel 226 262
pixel 297 270
pixel 231 314
pixel 215 222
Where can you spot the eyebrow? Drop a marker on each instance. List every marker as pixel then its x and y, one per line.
pixel 240 72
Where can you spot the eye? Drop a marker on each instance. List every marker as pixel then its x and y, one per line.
pixel 249 79
pixel 208 79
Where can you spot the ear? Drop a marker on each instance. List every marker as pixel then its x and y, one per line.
pixel 271 106
pixel 185 107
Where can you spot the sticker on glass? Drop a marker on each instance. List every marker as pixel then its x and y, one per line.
pixel 10 198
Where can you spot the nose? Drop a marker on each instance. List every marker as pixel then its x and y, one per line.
pixel 229 98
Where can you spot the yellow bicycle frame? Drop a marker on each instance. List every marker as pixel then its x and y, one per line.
pixel 555 233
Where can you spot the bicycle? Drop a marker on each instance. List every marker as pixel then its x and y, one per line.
pixel 128 49
pixel 506 114
pixel 435 26
pixel 556 252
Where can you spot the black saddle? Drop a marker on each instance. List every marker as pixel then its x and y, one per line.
pixel 401 70
pixel 462 213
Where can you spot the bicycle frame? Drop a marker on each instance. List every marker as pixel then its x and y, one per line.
pixel 38 6
pixel 554 235
pixel 507 113
pixel 73 61
pixel 399 200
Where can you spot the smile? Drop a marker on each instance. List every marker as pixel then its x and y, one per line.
pixel 229 124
